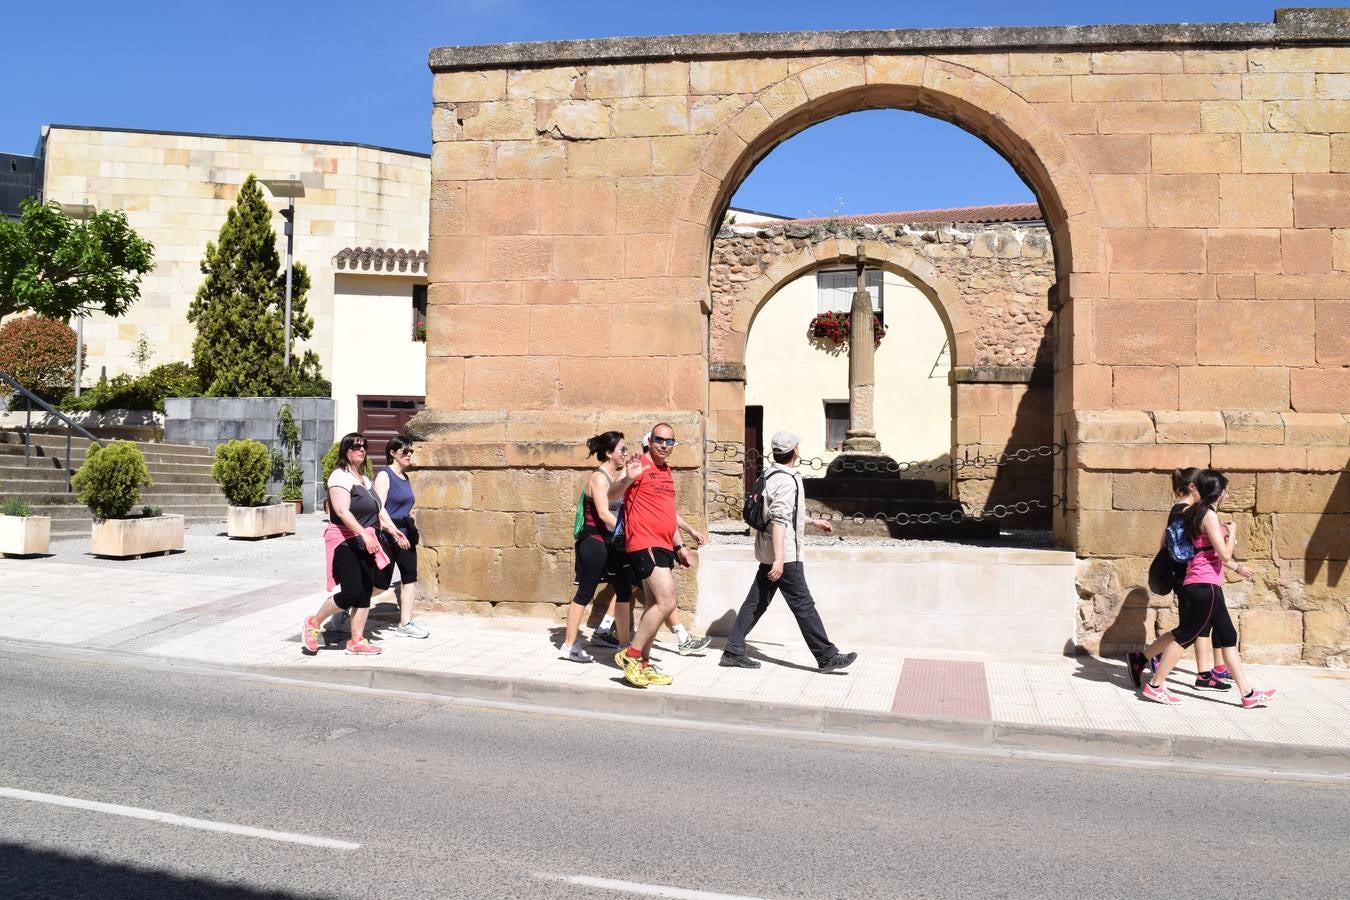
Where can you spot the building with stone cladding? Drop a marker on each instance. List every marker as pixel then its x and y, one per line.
pixel 360 229
pixel 1195 182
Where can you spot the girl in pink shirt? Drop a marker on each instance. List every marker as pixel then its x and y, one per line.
pixel 1203 612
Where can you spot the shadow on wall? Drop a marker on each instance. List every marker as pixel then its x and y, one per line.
pixel 1129 631
pixel 1032 426
pixel 1329 541
pixel 42 873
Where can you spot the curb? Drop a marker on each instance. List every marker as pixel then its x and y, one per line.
pixel 1254 758
pixel 970 734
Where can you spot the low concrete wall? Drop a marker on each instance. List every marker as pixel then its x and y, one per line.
pixel 210 421
pixel 984 599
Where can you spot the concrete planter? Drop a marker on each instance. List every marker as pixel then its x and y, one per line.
pixel 24 535
pixel 261 521
pixel 137 537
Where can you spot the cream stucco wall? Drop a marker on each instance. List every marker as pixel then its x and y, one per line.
pixel 176 189
pixel 373 349
pixel 791 378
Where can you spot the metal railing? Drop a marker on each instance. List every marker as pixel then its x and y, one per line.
pixel 29 399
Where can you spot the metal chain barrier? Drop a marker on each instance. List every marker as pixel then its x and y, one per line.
pixel 955 517
pixel 730 452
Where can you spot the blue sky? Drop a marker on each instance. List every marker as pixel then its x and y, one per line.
pixel 356 71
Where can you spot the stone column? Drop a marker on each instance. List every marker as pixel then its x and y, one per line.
pixel 861 437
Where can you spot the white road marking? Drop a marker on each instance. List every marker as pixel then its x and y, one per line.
pixel 633 887
pixel 150 815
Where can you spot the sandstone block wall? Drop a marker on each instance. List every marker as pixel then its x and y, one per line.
pixel 1195 180
pixel 175 190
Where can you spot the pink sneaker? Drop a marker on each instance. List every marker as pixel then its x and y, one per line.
pixel 309 636
pixel 363 648
pixel 1258 698
pixel 1161 695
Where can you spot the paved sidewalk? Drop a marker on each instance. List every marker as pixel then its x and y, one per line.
pixel 239 605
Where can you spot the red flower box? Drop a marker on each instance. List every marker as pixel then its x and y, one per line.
pixel 838 326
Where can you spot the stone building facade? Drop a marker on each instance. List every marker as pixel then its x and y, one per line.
pixel 1195 181
pixel 175 190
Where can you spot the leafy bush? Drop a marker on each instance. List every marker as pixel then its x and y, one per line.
pixel 110 481
pixel 40 353
pixel 146 392
pixel 330 459
pixel 241 469
pixel 15 507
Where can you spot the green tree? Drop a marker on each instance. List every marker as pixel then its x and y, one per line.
pixel 240 307
pixel 56 267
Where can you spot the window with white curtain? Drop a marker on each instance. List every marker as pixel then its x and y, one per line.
pixel 835 287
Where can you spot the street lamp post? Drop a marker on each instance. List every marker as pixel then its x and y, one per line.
pixel 289 189
pixel 81 212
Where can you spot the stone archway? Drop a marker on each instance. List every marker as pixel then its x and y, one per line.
pixel 985 283
pixel 727 347
pixel 576 186
pixel 979 104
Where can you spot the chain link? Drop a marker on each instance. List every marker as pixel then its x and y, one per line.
pixel 731 452
pixel 955 517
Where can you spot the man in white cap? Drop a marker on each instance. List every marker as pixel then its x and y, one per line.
pixel 779 552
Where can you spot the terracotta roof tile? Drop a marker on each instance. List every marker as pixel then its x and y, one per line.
pixel 381 259
pixel 1006 212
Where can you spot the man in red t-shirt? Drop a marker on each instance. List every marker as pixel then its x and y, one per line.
pixel 650 529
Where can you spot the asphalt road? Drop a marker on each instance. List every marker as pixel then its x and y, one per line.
pixel 447 801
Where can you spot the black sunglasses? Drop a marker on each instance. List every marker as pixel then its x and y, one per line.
pixel 664 442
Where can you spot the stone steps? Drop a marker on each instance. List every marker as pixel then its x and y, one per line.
pixel 181 477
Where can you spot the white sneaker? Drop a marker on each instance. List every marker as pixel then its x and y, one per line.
pixel 575 654
pixel 340 622
pixel 412 630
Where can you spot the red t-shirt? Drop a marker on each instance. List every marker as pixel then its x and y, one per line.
pixel 649 508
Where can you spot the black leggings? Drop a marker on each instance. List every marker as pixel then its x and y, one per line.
pixel 354 570
pixel 406 560
pixel 598 561
pixel 1202 613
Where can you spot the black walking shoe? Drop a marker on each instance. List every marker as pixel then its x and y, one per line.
pixel 605 637
pixel 1207 682
pixel 838 661
pixel 1136 662
pixel 735 661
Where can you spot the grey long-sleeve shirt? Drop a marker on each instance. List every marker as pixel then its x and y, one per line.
pixel 782 492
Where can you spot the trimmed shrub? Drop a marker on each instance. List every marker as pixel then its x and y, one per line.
pixel 110 481
pixel 40 353
pixel 241 469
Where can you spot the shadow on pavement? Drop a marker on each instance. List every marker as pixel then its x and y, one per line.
pixel 30 872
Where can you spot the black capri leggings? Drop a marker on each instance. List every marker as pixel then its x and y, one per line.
pixel 1202 613
pixel 406 560
pixel 354 571
pixel 598 561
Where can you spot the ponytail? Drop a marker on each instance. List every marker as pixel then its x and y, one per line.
pixel 1183 477
pixel 602 445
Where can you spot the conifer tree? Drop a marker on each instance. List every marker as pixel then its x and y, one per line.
pixel 240 306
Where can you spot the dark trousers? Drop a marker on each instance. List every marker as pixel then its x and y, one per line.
pixel 798 597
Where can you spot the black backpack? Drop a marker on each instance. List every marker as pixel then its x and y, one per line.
pixel 753 511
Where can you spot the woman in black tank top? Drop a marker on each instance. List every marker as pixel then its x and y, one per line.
pixel 597 558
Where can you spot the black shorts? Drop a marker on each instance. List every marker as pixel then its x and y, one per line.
pixel 645 562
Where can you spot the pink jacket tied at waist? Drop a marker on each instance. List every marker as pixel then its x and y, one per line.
pixel 334 535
